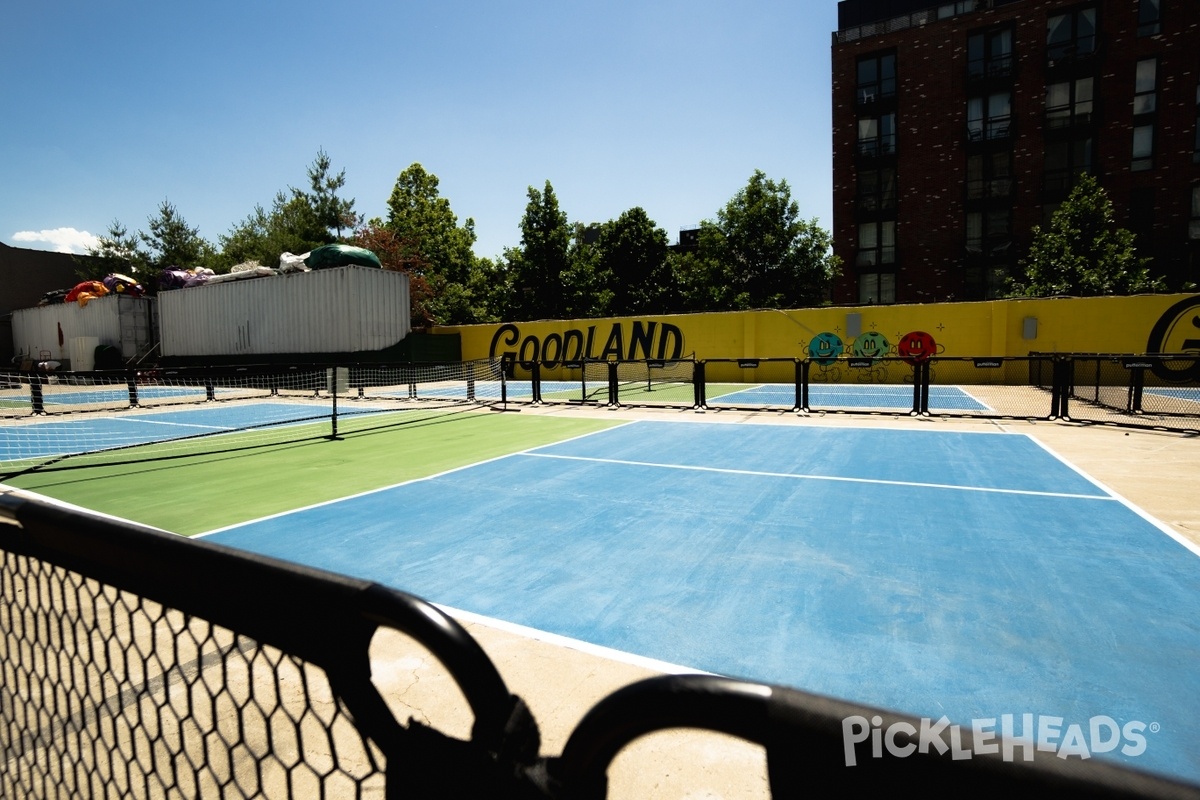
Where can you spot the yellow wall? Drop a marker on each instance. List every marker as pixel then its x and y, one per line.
pixel 993 328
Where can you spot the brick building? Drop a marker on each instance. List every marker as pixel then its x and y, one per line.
pixel 957 128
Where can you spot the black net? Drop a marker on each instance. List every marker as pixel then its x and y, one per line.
pixel 1020 388
pixel 751 384
pixel 655 383
pixel 1149 390
pixel 54 421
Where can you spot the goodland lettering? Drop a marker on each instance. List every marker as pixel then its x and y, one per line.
pixel 646 339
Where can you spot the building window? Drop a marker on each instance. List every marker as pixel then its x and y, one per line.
pixel 989 175
pixel 876 78
pixel 1069 103
pixel 1143 147
pixel 877 189
pixel 1194 223
pixel 948 10
pixel 877 135
pixel 986 282
pixel 1064 161
pixel 877 287
pixel 876 243
pixel 989 117
pixel 1072 35
pixel 1196 146
pixel 1142 205
pixel 988 233
pixel 1144 86
pixel 990 54
pixel 1149 17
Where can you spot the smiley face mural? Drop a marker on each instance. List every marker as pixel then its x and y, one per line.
pixel 916 346
pixel 872 344
pixel 825 348
pixel 1177 331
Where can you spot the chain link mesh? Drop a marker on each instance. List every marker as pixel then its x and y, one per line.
pixel 104 693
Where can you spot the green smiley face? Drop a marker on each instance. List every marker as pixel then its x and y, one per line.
pixel 872 345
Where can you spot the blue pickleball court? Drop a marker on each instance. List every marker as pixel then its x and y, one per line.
pixel 971 575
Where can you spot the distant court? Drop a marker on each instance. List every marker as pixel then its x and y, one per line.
pixel 967 574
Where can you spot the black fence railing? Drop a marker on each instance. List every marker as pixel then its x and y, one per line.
pixel 23 393
pixel 137 663
pixel 1162 390
pixel 1159 391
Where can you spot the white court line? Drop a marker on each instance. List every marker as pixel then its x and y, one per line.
pixel 45 498
pixel 877 481
pixel 620 656
pixel 173 424
pixel 404 483
pixel 1160 525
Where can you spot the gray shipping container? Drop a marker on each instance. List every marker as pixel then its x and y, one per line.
pixel 118 320
pixel 339 310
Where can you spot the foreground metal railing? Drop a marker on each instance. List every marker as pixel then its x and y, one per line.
pixel 137 663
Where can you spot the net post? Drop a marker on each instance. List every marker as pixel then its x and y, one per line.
pixel 926 380
pixel 36 400
pixel 333 382
pixel 612 384
pixel 1137 385
pixel 698 380
pixel 503 388
pixel 1063 367
pixel 131 382
pixel 916 390
pixel 1055 389
pixel 1068 386
pixel 535 381
pixel 801 403
pixel 210 389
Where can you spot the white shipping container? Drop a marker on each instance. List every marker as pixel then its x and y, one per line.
pixel 46 332
pixel 340 310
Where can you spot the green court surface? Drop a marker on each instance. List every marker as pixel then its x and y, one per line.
pixel 200 493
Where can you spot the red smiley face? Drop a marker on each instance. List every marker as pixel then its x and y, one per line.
pixel 917 346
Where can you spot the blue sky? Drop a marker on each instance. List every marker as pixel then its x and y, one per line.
pixel 110 108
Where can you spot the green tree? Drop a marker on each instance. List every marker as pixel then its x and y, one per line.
pixel 170 242
pixel 438 248
pixel 174 243
pixel 542 262
pixel 1082 252
pixel 762 254
pixel 634 267
pixel 297 222
pixel 117 251
pixel 265 235
pixel 585 289
pixel 330 212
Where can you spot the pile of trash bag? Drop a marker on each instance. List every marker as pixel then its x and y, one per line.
pixel 86 291
pixel 330 255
